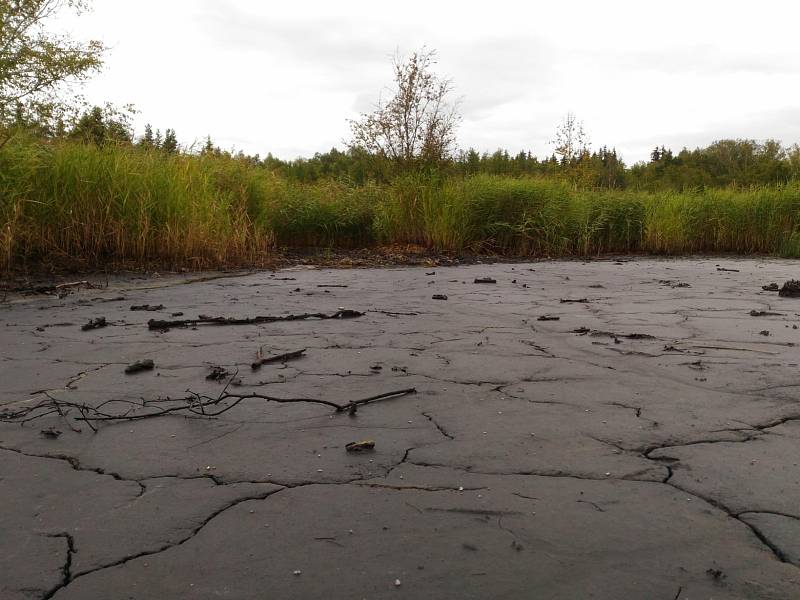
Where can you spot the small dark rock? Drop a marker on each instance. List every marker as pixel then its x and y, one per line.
pixel 140 365
pixel 772 287
pixel 50 432
pixel 439 297
pixel 548 318
pixel 485 280
pixel 217 373
pixel 97 323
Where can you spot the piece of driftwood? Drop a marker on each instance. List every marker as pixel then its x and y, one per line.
pixel 265 360
pixel 148 307
pixel 361 446
pixel 162 325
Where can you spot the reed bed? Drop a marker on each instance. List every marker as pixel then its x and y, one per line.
pixel 70 203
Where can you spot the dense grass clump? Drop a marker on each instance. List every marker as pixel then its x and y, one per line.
pixel 94 206
pixel 99 205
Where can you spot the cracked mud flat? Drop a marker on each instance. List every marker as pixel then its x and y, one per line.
pixel 568 458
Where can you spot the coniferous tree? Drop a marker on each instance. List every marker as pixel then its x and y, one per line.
pixel 208 147
pixel 147 140
pixel 170 143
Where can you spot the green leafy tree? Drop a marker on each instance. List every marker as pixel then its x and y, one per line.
pixel 101 126
pixel 35 64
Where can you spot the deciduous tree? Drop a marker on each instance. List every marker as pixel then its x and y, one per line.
pixel 36 64
pixel 417 125
pixel 571 141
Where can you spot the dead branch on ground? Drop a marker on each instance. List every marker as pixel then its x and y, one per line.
pixel 193 404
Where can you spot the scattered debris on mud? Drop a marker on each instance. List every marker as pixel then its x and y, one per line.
pixel 97 323
pixel 611 334
pixel 674 284
pixel 217 373
pixel 62 290
pixel 790 289
pixel 148 307
pixel 160 325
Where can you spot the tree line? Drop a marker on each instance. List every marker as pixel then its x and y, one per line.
pixel 414 131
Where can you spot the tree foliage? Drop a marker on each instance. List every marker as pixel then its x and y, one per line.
pixel 417 125
pixel 35 63
pixel 103 125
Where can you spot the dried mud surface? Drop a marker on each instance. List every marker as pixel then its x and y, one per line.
pixel 607 429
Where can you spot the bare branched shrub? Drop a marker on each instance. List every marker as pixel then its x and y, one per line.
pixel 417 125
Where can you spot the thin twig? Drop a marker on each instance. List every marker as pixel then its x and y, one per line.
pixel 261 360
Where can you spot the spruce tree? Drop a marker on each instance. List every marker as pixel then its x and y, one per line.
pixel 170 143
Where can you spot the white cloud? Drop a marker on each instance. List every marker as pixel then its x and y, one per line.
pixel 285 77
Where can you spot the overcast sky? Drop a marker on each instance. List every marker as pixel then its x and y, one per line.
pixel 284 77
